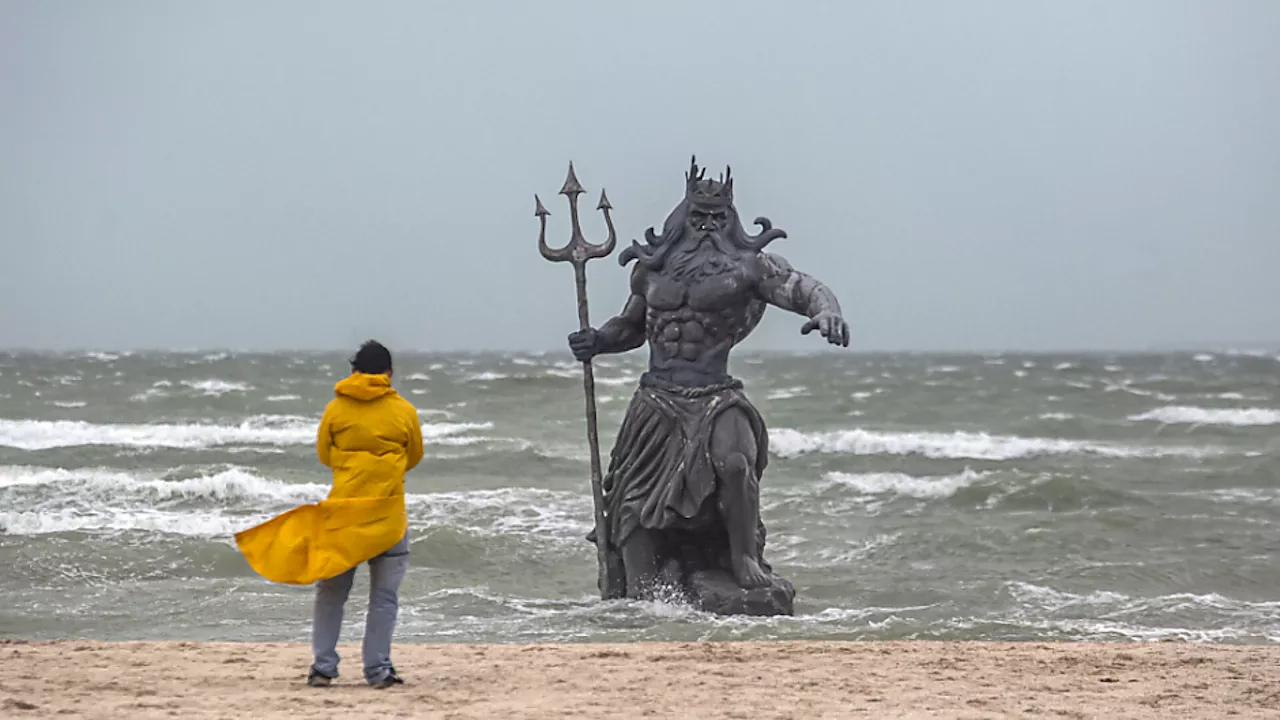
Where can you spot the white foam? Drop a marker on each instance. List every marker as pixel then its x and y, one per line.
pixel 203 525
pixel 922 488
pixel 441 431
pixel 487 376
pixel 1056 416
pixel 113 486
pixel 624 380
pixel 560 515
pixel 217 387
pixel 69 403
pixel 269 430
pixel 1124 387
pixel 1187 415
pixel 265 430
pixel 283 398
pixel 98 499
pixel 788 442
pixel 788 393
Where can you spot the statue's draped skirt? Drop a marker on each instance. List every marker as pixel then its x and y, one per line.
pixel 660 473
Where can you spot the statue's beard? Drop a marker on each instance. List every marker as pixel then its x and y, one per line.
pixel 700 254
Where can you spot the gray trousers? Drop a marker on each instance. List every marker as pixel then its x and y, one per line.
pixel 385 573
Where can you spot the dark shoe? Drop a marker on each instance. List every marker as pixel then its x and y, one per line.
pixel 391 678
pixel 315 678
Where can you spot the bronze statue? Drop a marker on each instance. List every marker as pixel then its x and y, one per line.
pixel 679 506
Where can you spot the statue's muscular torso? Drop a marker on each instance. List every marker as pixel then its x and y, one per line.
pixel 691 323
pixel 691 320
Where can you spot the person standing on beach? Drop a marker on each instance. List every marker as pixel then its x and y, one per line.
pixel 370 436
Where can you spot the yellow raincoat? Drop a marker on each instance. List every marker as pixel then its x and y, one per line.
pixel 370 436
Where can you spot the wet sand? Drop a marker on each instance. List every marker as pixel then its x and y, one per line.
pixel 755 681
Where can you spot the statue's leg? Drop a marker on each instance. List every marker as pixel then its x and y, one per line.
pixel 638 558
pixel 733 452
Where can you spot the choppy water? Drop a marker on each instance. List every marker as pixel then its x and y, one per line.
pixel 908 496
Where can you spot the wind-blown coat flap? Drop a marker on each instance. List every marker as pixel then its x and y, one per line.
pixel 322 540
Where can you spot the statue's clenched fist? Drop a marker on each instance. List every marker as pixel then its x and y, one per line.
pixel 583 344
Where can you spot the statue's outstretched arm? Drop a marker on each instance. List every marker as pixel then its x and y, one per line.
pixel 785 287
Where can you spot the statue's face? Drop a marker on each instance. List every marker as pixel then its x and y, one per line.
pixel 707 221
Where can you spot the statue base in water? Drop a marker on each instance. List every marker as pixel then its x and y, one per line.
pixel 715 591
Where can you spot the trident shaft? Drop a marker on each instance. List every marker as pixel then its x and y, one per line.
pixel 578 251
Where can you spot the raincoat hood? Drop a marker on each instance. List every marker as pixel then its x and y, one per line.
pixel 359 386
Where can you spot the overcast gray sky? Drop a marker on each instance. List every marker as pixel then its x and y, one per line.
pixel 990 175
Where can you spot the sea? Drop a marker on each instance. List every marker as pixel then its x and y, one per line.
pixel 985 496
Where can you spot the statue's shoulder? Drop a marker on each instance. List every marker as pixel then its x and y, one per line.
pixel 639 279
pixel 769 265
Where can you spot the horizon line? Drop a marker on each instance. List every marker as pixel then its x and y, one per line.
pixel 1237 348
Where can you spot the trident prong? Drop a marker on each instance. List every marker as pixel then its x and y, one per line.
pixel 578 250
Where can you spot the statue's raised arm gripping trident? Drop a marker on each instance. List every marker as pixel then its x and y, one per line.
pixel 681 493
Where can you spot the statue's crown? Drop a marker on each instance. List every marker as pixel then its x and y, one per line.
pixel 703 191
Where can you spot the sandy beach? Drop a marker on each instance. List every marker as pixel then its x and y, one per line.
pixel 706 680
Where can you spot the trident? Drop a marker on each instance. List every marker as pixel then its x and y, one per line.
pixel 578 251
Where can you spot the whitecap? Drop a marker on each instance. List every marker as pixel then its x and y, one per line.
pixel 788 393
pixel 788 442
pixel 43 434
pixel 217 387
pixel 270 430
pixel 101 486
pixel 921 488
pixel 203 525
pixel 1186 415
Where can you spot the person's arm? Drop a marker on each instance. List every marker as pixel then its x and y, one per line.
pixel 324 437
pixel 414 449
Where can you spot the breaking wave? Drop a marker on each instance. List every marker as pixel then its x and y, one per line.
pixel 788 442
pixel 262 430
pixel 922 488
pixel 1187 415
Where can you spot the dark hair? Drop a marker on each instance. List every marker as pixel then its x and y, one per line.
pixel 372 359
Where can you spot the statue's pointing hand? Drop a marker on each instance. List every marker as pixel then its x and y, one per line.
pixel 831 326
